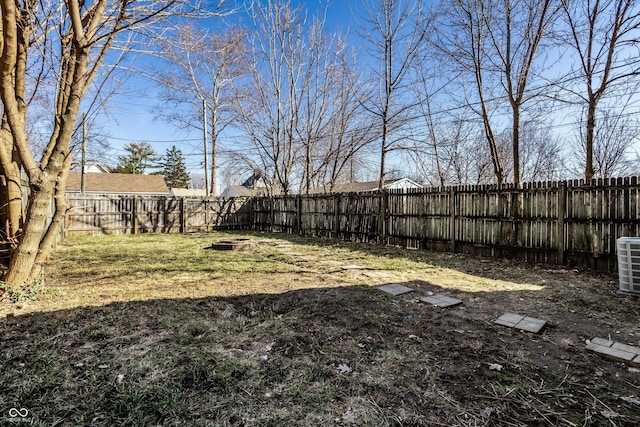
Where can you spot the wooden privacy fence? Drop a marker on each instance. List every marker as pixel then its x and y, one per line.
pixel 93 215
pixel 568 222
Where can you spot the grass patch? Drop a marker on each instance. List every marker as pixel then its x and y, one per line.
pixel 158 330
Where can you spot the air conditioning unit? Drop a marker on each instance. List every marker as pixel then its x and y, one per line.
pixel 629 265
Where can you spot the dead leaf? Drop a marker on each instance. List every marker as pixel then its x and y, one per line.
pixel 631 399
pixel 610 414
pixel 495 367
pixel 349 417
pixel 344 369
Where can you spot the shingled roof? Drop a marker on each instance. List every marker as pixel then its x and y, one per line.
pixel 117 183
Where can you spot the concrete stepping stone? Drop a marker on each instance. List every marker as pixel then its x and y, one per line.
pixel 442 301
pixel 517 321
pixel 615 350
pixel 395 289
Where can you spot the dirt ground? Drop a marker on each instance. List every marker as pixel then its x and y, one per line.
pixel 338 353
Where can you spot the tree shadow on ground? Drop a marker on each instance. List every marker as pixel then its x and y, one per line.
pixel 334 356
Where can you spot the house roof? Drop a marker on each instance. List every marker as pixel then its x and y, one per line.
pixel 243 191
pixel 96 168
pixel 120 183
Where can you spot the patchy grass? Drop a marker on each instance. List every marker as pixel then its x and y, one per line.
pixel 158 330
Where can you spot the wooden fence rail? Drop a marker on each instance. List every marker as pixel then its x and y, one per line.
pixel 565 223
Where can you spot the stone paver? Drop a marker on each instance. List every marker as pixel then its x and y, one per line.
pixel 524 323
pixel 531 324
pixel 395 289
pixel 615 350
pixel 509 319
pixel 442 301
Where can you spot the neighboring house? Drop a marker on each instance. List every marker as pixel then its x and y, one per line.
pixel 252 187
pixel 357 187
pixel 118 184
pixel 96 168
pixel 188 192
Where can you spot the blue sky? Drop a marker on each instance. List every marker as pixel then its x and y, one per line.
pixel 131 119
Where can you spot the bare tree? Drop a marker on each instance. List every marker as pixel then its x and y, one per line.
pixel 604 35
pixel 316 94
pixel 542 156
pixel 294 103
pixel 85 32
pixel 201 67
pixel 613 140
pixel 394 31
pixel 516 30
pixel 268 100
pixel 347 129
pixel 494 44
pixel 463 37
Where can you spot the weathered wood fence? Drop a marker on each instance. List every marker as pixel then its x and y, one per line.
pixel 93 215
pixel 565 223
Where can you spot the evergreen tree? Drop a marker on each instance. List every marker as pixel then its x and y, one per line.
pixel 174 170
pixel 141 156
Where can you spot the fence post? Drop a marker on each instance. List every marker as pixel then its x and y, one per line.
pixel 206 214
pixel 562 207
pixel 299 214
pixel 452 219
pixel 336 214
pixel 134 215
pixel 183 215
pixel 272 214
pixel 252 209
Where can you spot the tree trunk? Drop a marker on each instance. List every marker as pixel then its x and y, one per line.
pixel 60 209
pixel 12 195
pixel 515 139
pixel 495 158
pixel 22 260
pixel 591 126
pixel 383 156
pixel 214 150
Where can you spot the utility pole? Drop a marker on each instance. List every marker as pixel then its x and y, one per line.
pixel 83 182
pixel 206 160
